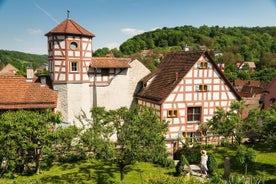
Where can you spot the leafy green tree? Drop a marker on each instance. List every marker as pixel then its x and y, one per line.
pixel 268 128
pixel 245 156
pixel 211 163
pixel 97 132
pixel 179 168
pixel 229 123
pixel 140 136
pixel 125 136
pixel 23 134
pixel 101 52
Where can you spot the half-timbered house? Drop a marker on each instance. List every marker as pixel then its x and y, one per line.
pixel 82 80
pixel 185 89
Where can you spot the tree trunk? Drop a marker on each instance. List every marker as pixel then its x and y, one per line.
pixel 245 173
pixel 122 173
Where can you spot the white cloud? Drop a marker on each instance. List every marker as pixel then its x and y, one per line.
pixel 131 31
pixel 35 31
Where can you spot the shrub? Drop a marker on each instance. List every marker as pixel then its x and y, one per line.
pixel 180 165
pixel 211 163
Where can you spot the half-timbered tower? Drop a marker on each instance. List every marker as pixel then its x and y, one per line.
pixel 69 57
pixel 185 89
pixel 83 81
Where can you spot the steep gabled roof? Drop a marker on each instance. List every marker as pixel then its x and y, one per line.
pixel 170 72
pixel 16 93
pixel 70 27
pixel 107 62
pixel 8 70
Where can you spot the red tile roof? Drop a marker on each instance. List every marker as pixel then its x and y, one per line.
pixel 107 62
pixel 16 93
pixel 269 95
pixel 8 70
pixel 68 26
pixel 164 78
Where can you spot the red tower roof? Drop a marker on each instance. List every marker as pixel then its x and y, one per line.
pixel 68 26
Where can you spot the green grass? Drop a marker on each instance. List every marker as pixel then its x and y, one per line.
pixel 93 171
pixel 264 165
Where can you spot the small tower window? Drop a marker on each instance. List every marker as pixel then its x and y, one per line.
pixel 74 66
pixel 73 45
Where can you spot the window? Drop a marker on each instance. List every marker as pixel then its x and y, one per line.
pixel 202 87
pixel 73 45
pixel 194 114
pixel 74 66
pixel 203 65
pixel 105 71
pixel 172 113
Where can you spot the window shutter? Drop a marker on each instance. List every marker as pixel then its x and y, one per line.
pixel 198 65
pixel 197 88
pixel 209 65
pixel 209 87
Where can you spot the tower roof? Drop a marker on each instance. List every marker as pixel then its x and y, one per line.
pixel 68 26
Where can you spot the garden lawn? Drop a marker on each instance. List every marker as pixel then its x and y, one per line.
pixel 264 165
pixel 91 171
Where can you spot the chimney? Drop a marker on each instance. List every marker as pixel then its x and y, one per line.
pixel 42 80
pixel 30 74
pixel 186 48
pixel 221 66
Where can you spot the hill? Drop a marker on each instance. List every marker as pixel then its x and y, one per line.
pixel 246 43
pixel 21 60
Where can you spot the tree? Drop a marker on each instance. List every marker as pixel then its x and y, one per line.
pixel 268 128
pixel 229 123
pixel 179 168
pixel 138 135
pixel 23 134
pixel 211 163
pixel 245 156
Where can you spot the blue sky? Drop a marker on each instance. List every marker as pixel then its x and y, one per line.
pixel 24 22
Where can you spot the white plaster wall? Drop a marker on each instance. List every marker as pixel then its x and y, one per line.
pixel 121 90
pixel 79 98
pixel 74 97
pixel 62 105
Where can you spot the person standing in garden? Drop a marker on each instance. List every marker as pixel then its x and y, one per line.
pixel 203 162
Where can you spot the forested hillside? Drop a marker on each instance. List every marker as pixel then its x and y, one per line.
pixel 257 44
pixel 21 60
pixel 245 43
